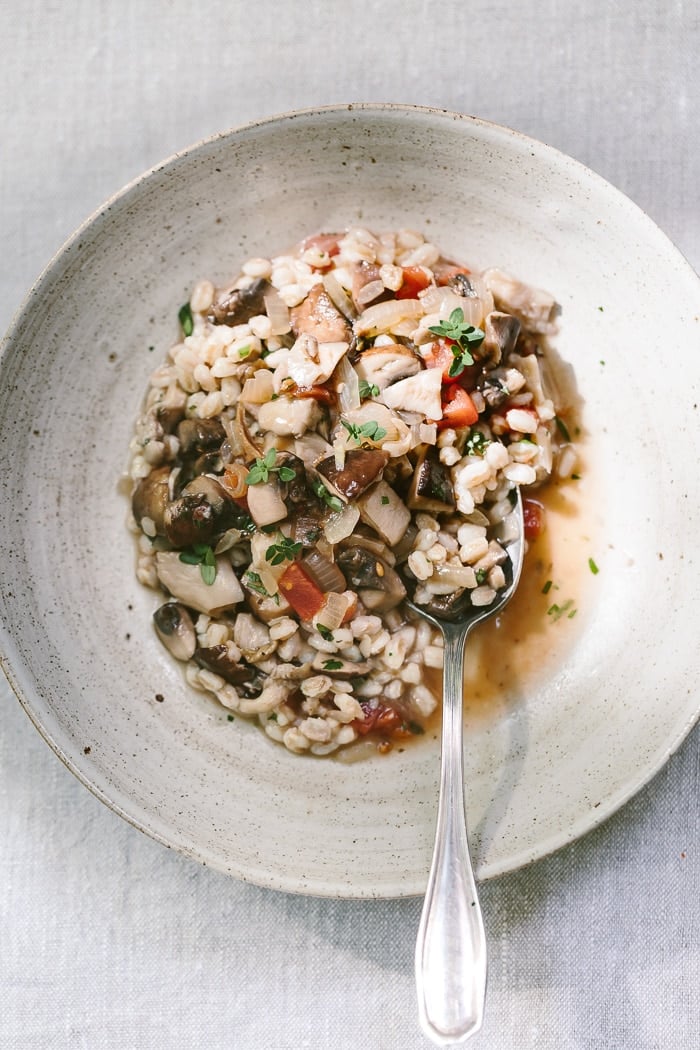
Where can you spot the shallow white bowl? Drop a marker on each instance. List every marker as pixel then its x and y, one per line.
pixel 76 639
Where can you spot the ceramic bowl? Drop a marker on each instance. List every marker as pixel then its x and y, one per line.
pixel 546 761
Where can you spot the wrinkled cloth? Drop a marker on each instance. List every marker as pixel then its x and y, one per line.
pixel 108 941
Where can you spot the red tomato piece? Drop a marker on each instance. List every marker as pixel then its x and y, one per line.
pixel 415 279
pixel 303 594
pixel 440 355
pixel 457 408
pixel 534 518
pixel 444 274
pixel 380 719
pixel 325 242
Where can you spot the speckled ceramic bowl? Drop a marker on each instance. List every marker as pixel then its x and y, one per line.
pixel 549 760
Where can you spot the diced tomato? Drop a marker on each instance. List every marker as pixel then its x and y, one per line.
pixel 444 274
pixel 457 408
pixel 302 593
pixel 325 242
pixel 534 518
pixel 440 355
pixel 380 719
pixel 415 280
pixel 318 393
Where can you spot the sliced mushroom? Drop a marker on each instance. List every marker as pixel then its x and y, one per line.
pixel 462 285
pixel 361 469
pixel 169 416
pixel 336 667
pixel 534 307
pixel 150 498
pixel 382 365
pixel 265 503
pixel 318 316
pixel 382 509
pixel 289 417
pixel 175 629
pixel 431 487
pixel 199 435
pixel 501 335
pixel 218 659
pixel 240 305
pixel 184 581
pixel 449 606
pixel 417 393
pixel 203 511
pixel 378 586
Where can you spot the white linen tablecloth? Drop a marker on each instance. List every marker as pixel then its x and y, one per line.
pixel 107 940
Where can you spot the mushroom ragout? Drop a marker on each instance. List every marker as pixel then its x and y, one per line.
pixel 342 425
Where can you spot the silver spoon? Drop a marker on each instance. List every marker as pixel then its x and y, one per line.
pixel 450 957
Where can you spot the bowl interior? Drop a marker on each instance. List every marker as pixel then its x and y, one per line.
pixel 76 635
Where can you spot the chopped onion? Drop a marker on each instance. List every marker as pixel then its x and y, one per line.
pixel 348 386
pixel 339 296
pixel 370 291
pixel 384 316
pixel 342 524
pixel 259 388
pixel 277 311
pixel 325 572
pixel 333 612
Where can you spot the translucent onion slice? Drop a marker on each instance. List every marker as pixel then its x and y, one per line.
pixel 342 524
pixel 348 386
pixel 339 296
pixel 333 612
pixel 326 573
pixel 277 311
pixel 383 316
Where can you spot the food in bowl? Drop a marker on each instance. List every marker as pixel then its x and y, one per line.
pixel 343 425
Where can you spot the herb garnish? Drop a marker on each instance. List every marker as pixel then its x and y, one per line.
pixel 368 389
pixel 563 429
pixel 593 567
pixel 547 587
pixel 203 555
pixel 325 632
pixel 385 501
pixel 557 611
pixel 262 468
pixel 332 665
pixel 463 336
pixel 284 550
pixel 255 583
pixel 369 430
pixel 185 318
pixel 325 496
pixel 476 443
pixel 481 575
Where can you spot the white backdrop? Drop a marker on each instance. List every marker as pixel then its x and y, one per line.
pixel 107 940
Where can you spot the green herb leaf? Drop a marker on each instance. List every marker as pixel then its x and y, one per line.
pixel 463 336
pixel 557 611
pixel 255 583
pixel 366 431
pixel 185 318
pixel 368 389
pixel 263 467
pixel 593 567
pixel 284 550
pixel 481 575
pixel 325 632
pixel 562 428
pixel 385 500
pixel 244 352
pixel 476 443
pixel 332 665
pixel 203 555
pixel 547 587
pixel 286 474
pixel 325 496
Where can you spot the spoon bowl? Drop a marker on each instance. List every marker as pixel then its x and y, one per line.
pixel 450 959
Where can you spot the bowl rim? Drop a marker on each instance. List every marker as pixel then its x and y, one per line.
pixel 11 664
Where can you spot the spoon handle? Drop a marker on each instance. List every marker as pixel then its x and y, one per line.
pixel 451 945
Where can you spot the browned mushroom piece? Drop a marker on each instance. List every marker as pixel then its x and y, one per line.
pixel 431 487
pixel 150 498
pixel 218 659
pixel 361 469
pixel 200 435
pixel 202 512
pixel 169 416
pixel 318 316
pixel 240 305
pixel 175 629
pixel 378 586
pixel 501 334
